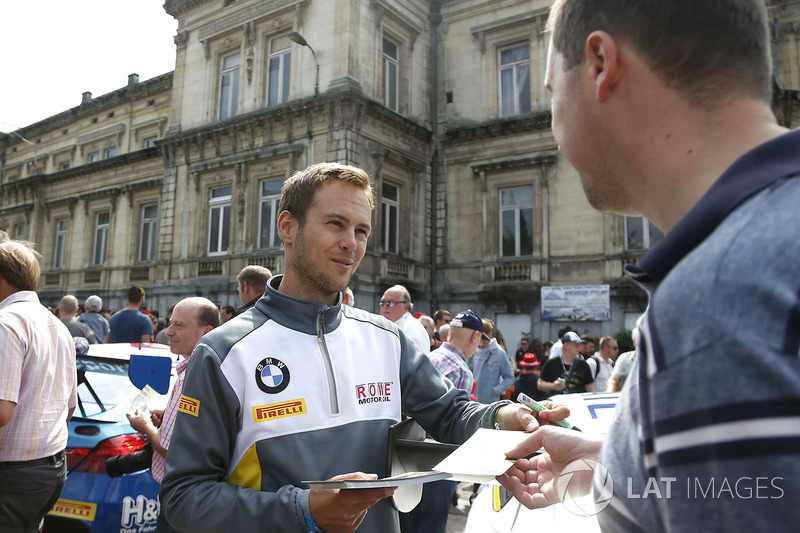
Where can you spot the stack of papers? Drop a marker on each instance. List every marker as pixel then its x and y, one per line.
pixel 478 460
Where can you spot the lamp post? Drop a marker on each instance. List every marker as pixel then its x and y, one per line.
pixel 299 39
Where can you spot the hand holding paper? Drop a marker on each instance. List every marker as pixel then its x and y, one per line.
pixel 344 510
pixel 533 481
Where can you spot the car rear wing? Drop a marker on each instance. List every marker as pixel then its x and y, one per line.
pixel 144 363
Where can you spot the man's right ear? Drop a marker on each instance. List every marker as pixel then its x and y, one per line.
pixel 287 227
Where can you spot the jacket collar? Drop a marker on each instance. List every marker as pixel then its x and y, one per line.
pixel 305 316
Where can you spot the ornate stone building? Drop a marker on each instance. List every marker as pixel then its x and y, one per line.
pixel 173 182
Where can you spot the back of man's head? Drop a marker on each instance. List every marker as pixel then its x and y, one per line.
pixel 298 191
pixel 19 264
pixel 704 50
pixel 68 306
pixel 256 276
pixel 135 294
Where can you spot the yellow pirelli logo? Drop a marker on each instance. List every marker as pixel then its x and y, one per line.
pixel 74 509
pixel 190 406
pixel 279 410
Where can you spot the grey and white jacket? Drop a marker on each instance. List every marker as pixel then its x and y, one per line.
pixel 295 390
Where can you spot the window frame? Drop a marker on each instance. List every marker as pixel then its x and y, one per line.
pixel 148 228
pixel 60 244
pixel 516 209
pixel 284 57
pixel 390 212
pixel 230 108
pixel 274 200
pixel 514 67
pixel 223 204
pixel 387 62
pixel 108 153
pixel 647 233
pixel 100 241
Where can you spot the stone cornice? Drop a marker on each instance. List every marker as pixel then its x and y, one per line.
pixel 300 108
pixel 176 7
pixel 499 127
pixel 95 105
pixel 120 160
pixel 106 192
pixel 250 14
pixel 546 158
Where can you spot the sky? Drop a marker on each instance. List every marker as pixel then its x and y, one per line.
pixel 52 51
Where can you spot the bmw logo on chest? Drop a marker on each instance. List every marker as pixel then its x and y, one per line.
pixel 272 375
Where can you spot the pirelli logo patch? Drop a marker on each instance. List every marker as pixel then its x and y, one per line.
pixel 274 411
pixel 74 509
pixel 188 405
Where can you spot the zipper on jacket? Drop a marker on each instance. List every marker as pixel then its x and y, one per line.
pixel 326 359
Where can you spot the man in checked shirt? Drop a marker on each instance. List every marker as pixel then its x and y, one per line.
pixel 191 319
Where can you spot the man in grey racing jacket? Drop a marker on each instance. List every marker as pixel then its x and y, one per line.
pixel 301 388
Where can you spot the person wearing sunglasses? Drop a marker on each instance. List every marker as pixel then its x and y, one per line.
pixel 396 306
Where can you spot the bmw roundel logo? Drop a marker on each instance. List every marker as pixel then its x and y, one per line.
pixel 272 375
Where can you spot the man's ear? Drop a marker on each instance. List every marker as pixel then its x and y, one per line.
pixel 287 227
pixel 602 56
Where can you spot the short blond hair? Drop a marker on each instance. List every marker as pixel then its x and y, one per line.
pixel 297 193
pixel 19 264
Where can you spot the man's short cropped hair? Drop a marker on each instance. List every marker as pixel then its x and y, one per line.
pixel 69 304
pixel 19 264
pixel 605 341
pixel 298 191
pixel 704 50
pixel 254 275
pixel 135 294
pixel 208 314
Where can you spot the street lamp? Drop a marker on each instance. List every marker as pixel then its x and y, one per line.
pixel 299 39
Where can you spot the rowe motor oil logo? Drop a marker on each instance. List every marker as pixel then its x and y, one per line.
pixel 374 392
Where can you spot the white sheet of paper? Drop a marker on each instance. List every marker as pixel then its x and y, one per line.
pixel 482 457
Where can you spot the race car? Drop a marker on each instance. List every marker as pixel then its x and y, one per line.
pixel 111 379
pixel 495 510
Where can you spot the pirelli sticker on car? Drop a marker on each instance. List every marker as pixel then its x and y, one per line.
pixel 74 509
pixel 274 411
pixel 188 405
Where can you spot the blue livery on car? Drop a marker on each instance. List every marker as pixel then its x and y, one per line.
pixel 92 501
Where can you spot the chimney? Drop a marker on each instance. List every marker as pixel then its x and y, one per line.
pixel 86 97
pixel 133 79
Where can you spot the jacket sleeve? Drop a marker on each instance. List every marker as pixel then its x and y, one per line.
pixel 194 492
pixel 431 399
pixel 506 375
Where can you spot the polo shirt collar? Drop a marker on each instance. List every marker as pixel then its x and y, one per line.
pixel 758 169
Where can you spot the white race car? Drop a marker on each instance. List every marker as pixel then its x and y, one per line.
pixel 495 510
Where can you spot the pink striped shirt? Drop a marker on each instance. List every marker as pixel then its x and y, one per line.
pixel 168 421
pixel 37 373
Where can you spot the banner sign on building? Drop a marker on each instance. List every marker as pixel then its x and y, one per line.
pixel 576 303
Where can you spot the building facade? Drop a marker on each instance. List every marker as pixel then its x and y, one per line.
pixel 173 182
